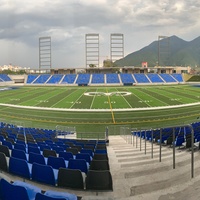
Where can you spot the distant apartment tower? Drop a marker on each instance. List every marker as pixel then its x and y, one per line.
pixel 44 53
pixel 92 49
pixel 116 46
pixel 163 51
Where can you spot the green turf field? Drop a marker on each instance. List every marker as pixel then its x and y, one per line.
pixel 93 108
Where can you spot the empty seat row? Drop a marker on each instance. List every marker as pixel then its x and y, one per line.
pixel 25 191
pixel 63 177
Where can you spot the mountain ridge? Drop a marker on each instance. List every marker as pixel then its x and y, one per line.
pixel 179 53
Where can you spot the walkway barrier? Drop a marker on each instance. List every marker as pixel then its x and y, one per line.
pixel 139 138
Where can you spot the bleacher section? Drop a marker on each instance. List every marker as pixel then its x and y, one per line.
pixel 112 79
pixel 4 78
pixel 178 77
pixel 38 155
pixel 69 79
pixel 55 79
pixel 104 79
pixel 83 79
pixel 127 79
pixel 31 78
pixel 168 78
pixel 42 79
pixel 97 79
pixel 155 78
pixel 141 78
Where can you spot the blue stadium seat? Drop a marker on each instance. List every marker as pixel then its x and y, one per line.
pixel 57 162
pixel 16 153
pixel 80 164
pixel 33 150
pixel 20 167
pixel 44 174
pixel 10 191
pixel 37 158
pixel 32 190
pixel 64 195
pixel 20 147
pixel 8 144
pixel 40 196
pixel 66 155
pixel 85 156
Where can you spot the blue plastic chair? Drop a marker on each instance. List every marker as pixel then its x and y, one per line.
pixel 40 196
pixel 87 151
pixel 101 151
pixel 8 144
pixel 57 162
pixel 33 149
pixel 80 164
pixel 31 189
pixel 17 153
pixel 64 195
pixel 85 156
pixel 20 146
pixel 66 155
pixel 44 174
pixel 20 167
pixel 37 158
pixel 10 191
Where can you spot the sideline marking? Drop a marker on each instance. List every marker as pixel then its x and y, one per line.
pixel 99 109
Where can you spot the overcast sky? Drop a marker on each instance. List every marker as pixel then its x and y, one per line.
pixel 22 22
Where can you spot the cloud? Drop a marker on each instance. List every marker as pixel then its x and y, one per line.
pixel 22 22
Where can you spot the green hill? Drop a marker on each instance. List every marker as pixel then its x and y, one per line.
pixel 181 53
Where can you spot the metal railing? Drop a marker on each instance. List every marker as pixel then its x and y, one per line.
pixel 138 136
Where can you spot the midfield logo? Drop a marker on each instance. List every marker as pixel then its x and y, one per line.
pixel 107 93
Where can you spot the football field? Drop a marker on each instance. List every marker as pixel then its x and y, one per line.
pixel 94 108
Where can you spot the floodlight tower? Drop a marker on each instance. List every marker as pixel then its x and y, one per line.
pixel 116 46
pixel 44 53
pixel 92 49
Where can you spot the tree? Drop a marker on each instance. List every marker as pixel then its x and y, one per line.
pixel 92 65
pixel 109 63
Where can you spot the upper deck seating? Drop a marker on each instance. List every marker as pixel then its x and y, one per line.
pixel 112 78
pixel 141 78
pixel 127 78
pixel 55 79
pixel 97 79
pixel 155 78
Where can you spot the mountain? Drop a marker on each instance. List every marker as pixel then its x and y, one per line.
pixel 174 51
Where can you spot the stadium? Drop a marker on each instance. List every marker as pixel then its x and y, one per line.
pixel 130 133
